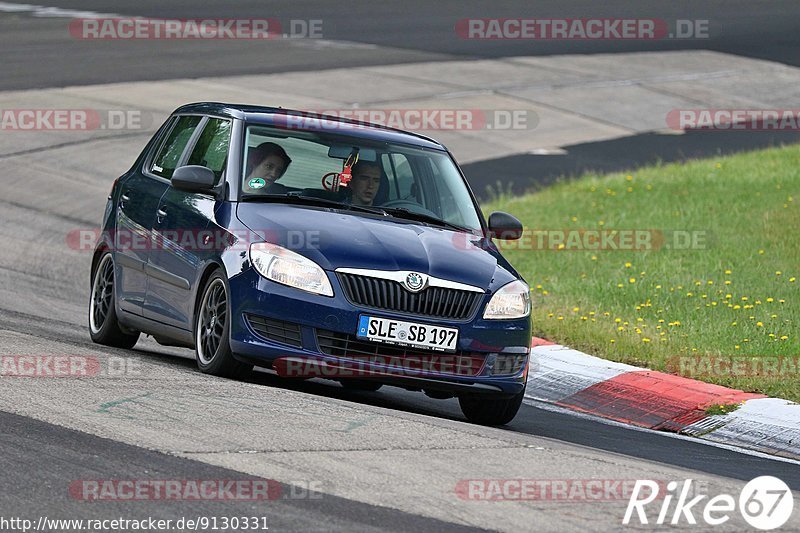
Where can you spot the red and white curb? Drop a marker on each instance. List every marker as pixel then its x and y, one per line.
pixel 655 400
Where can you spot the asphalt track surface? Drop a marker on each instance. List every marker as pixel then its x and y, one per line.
pixel 40 51
pixel 57 431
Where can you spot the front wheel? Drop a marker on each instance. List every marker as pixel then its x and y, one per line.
pixel 104 328
pixel 212 330
pixel 488 411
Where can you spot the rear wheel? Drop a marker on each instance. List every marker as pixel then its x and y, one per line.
pixel 212 330
pixel 104 328
pixel 488 411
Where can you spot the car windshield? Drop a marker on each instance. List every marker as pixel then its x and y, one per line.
pixel 392 179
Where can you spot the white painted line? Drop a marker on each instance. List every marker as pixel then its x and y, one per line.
pixel 52 12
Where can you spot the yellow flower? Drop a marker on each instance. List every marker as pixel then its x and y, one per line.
pixel 545 293
pixel 710 282
pixel 759 324
pixel 733 323
pixel 770 300
pixel 645 339
pixel 784 337
pixel 778 272
pixel 560 317
pixel 728 296
pixel 574 219
pixel 689 294
pixel 744 298
pixel 658 286
pixel 727 282
pixel 627 265
pixel 727 271
pixel 631 280
pixel 629 177
pixel 619 285
pixel 620 328
pixel 791 280
pixel 736 347
pixel 737 306
pixel 594 258
pixel 761 252
pixel 612 341
pixel 601 222
pixel 576 309
pixel 617 320
pixel 782 301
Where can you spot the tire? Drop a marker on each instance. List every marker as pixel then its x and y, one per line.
pixel 104 327
pixel 361 385
pixel 212 332
pixel 488 411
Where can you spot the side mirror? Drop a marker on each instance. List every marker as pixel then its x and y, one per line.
pixel 193 178
pixel 504 226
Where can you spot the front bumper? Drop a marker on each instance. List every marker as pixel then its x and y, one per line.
pixel 488 344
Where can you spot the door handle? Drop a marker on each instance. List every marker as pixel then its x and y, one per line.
pixel 161 213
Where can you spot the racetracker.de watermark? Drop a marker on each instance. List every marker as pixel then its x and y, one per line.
pixel 191 240
pixel 68 366
pixel 547 490
pixel 777 367
pixel 606 239
pixel 582 29
pixel 734 119
pixel 137 28
pixel 75 120
pixel 411 119
pixel 177 490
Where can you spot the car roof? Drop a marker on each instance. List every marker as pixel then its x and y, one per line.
pixel 276 116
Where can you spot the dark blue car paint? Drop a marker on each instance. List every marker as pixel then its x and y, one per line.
pixel 158 289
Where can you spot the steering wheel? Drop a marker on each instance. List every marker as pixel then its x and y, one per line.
pixel 414 207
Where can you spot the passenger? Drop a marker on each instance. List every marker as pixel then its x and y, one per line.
pixel 266 163
pixel 365 183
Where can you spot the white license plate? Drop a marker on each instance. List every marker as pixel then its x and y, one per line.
pixel 401 333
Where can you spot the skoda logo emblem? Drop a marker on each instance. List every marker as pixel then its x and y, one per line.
pixel 415 282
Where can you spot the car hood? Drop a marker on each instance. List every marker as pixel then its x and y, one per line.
pixel 335 239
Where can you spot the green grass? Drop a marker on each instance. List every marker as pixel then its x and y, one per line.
pixel 736 295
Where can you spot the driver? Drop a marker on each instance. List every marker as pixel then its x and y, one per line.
pixel 365 183
pixel 265 164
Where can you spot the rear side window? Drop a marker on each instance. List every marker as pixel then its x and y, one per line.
pixel 170 154
pixel 211 149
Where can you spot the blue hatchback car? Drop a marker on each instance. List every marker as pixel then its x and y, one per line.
pixel 317 247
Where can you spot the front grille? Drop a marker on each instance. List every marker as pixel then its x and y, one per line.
pixel 348 346
pixel 387 294
pixel 276 330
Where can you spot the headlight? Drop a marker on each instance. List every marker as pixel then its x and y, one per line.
pixel 511 301
pixel 289 268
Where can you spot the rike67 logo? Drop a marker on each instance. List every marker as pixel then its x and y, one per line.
pixel 765 503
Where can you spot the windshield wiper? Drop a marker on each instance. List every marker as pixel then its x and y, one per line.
pixel 402 212
pixel 313 200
